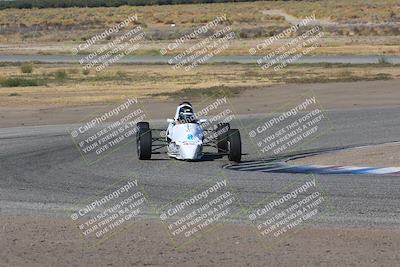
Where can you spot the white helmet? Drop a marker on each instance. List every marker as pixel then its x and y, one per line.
pixel 184 113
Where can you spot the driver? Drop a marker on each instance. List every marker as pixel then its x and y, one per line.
pixel 185 113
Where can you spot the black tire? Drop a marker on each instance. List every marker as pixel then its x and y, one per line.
pixel 143 140
pixel 143 124
pixel 234 145
pixel 222 138
pixel 141 127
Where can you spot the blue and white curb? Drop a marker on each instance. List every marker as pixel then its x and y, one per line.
pixel 281 167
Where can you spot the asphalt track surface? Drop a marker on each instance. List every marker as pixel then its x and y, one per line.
pixel 41 172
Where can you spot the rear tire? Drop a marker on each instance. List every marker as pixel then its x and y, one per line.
pixel 222 138
pixel 143 140
pixel 234 145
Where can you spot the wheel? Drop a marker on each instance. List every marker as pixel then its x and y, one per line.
pixel 143 140
pixel 234 145
pixel 143 124
pixel 222 138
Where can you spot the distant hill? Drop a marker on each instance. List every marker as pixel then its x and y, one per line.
pixel 101 3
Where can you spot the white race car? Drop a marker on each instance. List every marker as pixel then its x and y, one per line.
pixel 186 137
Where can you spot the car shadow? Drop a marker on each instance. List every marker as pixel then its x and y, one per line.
pixel 211 157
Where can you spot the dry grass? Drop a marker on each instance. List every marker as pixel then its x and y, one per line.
pixel 120 82
pixel 360 10
pixel 75 24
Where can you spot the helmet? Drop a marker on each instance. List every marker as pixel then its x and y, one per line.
pixel 185 103
pixel 186 114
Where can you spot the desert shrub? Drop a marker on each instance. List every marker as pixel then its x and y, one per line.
pixel 73 71
pixel 121 74
pixel 101 3
pixel 27 68
pixel 60 75
pixel 14 94
pixel 21 82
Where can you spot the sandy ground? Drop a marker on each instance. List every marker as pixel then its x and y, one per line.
pixel 386 155
pixel 270 99
pixel 44 241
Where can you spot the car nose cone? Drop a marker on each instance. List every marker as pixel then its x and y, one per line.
pixel 190 151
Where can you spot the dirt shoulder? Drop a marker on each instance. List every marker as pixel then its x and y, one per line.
pixel 270 99
pixel 386 155
pixel 44 241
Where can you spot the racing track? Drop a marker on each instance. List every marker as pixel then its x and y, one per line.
pixel 42 172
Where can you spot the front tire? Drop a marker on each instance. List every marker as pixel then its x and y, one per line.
pixel 234 145
pixel 143 140
pixel 222 138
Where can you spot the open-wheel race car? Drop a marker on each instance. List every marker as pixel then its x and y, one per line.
pixel 186 137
